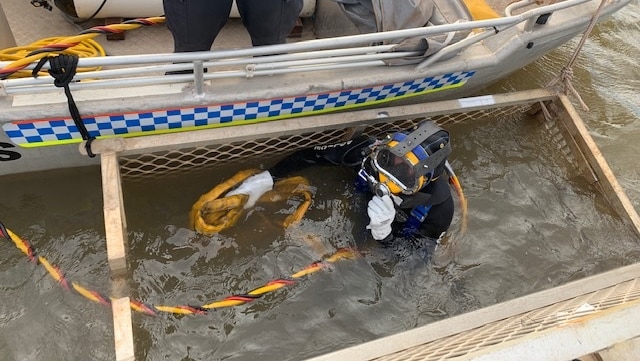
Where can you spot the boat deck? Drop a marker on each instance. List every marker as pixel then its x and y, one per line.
pixel 21 16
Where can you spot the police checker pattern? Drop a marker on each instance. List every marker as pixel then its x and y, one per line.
pixel 48 132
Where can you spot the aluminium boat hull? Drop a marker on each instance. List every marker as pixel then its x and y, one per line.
pixel 38 133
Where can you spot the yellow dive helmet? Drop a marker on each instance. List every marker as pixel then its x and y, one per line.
pixel 406 162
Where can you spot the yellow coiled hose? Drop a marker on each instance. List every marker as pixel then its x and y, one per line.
pixel 214 212
pixel 82 45
pixel 86 48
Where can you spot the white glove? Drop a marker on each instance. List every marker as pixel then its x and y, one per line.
pixel 254 186
pixel 381 213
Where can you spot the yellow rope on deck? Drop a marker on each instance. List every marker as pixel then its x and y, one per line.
pixel 81 45
pixel 86 48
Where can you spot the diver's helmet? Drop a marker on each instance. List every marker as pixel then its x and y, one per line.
pixel 405 163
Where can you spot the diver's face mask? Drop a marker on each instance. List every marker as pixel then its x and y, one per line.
pixel 405 163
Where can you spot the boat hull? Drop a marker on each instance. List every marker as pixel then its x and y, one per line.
pixel 38 132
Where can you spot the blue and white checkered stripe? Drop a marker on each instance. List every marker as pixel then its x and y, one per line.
pixel 30 133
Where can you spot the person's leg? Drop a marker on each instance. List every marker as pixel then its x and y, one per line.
pixel 195 24
pixel 269 21
pixel 361 14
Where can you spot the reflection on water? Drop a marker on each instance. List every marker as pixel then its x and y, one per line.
pixel 534 223
pixel 60 214
pixel 607 77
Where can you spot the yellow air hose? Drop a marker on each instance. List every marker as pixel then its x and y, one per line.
pixel 463 202
pixel 213 212
pixel 86 48
pixel 81 45
pixel 287 188
pixel 210 215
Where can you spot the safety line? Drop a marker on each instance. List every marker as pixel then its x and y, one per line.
pixel 62 44
pixel 153 310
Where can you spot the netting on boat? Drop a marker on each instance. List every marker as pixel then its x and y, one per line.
pixel 197 158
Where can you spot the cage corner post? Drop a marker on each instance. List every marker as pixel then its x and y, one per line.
pixel 116 238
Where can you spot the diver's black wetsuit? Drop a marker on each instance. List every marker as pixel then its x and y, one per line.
pixel 435 198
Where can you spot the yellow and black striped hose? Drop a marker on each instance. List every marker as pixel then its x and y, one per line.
pixel 81 45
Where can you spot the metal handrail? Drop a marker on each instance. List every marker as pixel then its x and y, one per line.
pixel 508 11
pixel 333 53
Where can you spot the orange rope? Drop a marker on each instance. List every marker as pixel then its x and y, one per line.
pixel 138 306
pixel 63 44
pixel 453 179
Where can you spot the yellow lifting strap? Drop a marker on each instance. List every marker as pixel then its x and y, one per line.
pixel 214 212
pixel 480 10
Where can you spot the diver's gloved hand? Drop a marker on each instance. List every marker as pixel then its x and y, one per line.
pixel 254 186
pixel 381 214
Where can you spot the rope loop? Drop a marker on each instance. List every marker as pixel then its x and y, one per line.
pixel 63 69
pixel 214 212
pixel 566 75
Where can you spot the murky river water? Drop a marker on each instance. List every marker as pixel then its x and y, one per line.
pixel 534 223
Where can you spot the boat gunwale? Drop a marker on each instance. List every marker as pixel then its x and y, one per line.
pixel 44 84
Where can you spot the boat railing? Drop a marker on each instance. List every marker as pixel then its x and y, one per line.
pixel 508 11
pixel 344 52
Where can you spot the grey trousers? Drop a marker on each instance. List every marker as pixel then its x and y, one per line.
pixel 195 24
pixel 370 16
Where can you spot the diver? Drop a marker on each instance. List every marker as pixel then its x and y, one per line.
pixel 407 175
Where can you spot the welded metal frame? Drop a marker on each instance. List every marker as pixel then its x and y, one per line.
pixel 583 326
